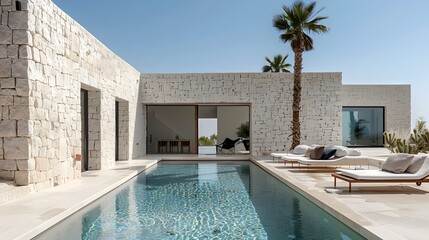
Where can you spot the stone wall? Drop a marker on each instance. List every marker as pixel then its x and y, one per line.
pixel 396 100
pixel 46 58
pixel 123 130
pixel 270 98
pixel 15 129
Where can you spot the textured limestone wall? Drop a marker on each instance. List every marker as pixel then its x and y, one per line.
pixel 15 129
pixel 46 59
pixel 395 98
pixel 123 130
pixel 94 128
pixel 270 97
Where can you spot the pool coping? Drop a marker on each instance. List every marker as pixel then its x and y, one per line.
pixel 327 202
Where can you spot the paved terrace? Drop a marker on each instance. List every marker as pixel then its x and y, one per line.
pixel 389 211
pixel 386 211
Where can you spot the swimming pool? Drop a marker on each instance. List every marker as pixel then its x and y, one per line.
pixel 202 200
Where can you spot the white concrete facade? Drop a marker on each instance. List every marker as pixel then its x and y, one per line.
pixel 46 58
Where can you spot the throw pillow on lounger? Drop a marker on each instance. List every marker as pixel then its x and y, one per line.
pixel 341 151
pixel 416 164
pixel 397 163
pixel 309 151
pixel 300 149
pixel 353 152
pixel 328 153
pixel 317 153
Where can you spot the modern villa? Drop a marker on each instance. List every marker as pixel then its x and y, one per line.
pixel 70 105
pixel 65 94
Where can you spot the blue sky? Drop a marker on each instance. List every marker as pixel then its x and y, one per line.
pixel 383 41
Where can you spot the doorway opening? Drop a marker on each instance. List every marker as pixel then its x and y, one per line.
pixel 197 129
pixel 116 131
pixel 90 101
pixel 84 128
pixel 121 130
pixel 207 130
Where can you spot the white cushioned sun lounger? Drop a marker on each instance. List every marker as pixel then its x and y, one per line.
pixel 292 158
pixel 379 176
pixel 423 172
pixel 280 155
pixel 342 161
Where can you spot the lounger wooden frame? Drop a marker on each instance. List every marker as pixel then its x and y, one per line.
pixel 291 162
pixel 327 165
pixel 353 180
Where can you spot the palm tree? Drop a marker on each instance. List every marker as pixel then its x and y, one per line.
pixel 294 24
pixel 277 64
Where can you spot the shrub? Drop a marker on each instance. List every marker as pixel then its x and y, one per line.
pixel 416 142
pixel 243 130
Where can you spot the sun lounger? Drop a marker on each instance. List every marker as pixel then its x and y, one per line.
pixel 380 176
pixel 280 155
pixel 341 161
pixel 299 150
pixel 343 156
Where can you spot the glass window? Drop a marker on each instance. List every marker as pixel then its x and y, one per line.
pixel 363 126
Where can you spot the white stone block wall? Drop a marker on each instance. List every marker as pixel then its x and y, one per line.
pixel 15 129
pixel 124 134
pixel 270 98
pixel 94 130
pixel 46 58
pixel 396 100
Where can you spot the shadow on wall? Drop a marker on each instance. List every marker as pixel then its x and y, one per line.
pixel 139 141
pixel 163 131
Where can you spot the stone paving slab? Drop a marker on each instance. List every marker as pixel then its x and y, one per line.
pixel 8 191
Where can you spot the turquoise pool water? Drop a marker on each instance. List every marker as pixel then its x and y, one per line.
pixel 209 200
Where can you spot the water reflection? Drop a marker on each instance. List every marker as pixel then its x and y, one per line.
pixel 207 173
pixel 297 220
pixel 284 213
pixel 90 221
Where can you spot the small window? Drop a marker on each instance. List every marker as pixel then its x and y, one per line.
pixel 363 126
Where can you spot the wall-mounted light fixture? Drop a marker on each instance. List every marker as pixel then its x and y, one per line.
pixel 18 5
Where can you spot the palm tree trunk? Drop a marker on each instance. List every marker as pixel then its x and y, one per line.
pixel 296 104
